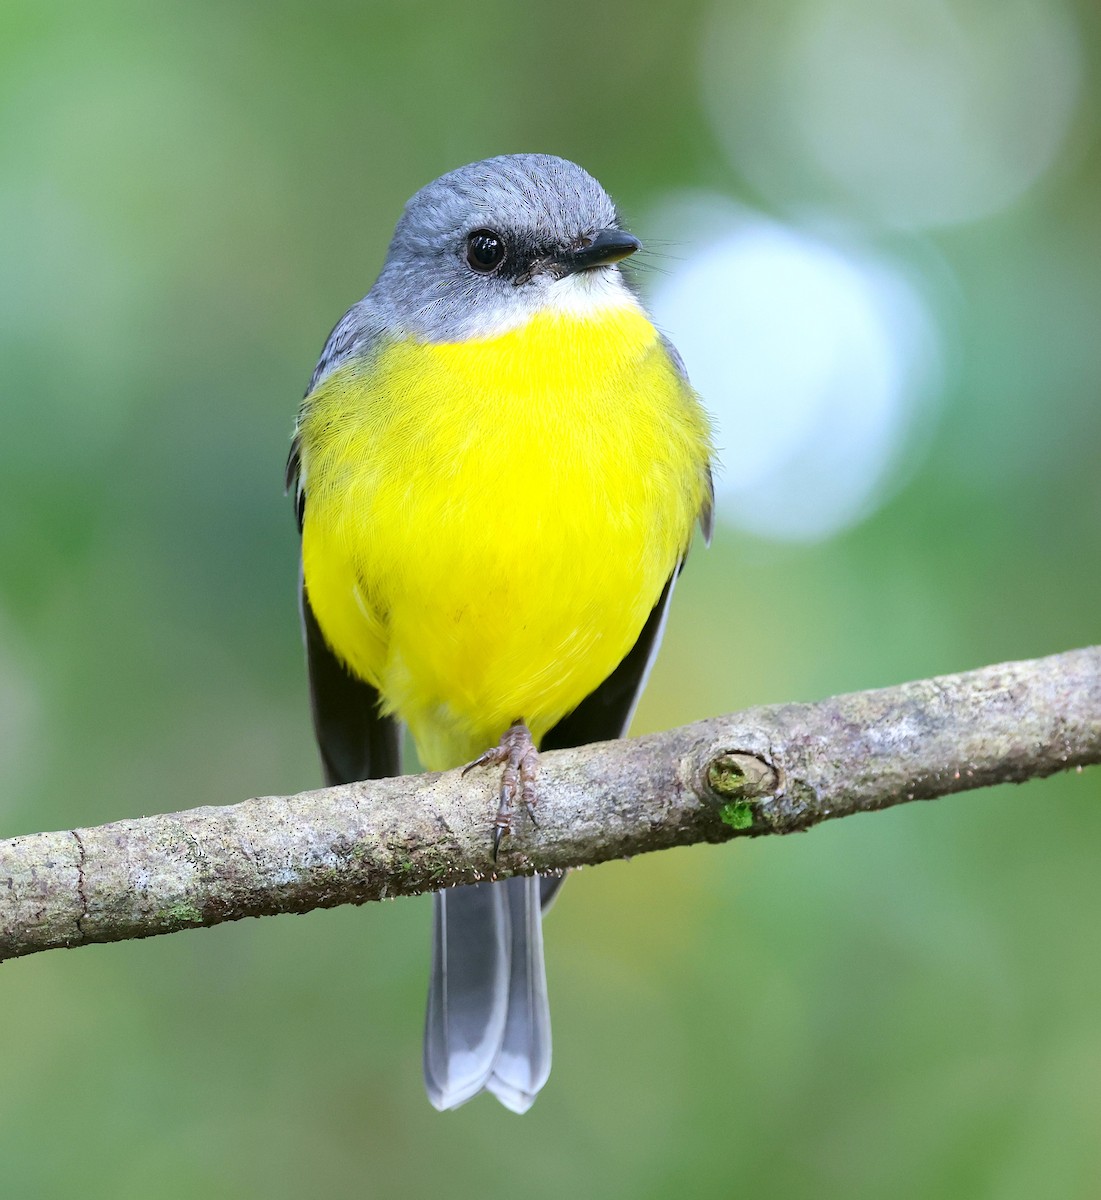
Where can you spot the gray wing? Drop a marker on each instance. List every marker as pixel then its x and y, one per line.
pixel 707 511
pixel 354 335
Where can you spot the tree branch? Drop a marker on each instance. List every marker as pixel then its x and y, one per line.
pixel 773 769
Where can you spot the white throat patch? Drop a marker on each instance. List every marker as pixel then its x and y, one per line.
pixel 579 296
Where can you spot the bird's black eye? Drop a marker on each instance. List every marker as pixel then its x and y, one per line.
pixel 485 251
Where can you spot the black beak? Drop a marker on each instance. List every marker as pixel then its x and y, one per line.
pixel 605 247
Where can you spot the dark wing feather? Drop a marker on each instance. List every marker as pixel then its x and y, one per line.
pixel 707 512
pixel 356 741
pixel 292 481
pixel 606 713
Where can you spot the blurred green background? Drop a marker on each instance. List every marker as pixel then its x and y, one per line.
pixel 906 1004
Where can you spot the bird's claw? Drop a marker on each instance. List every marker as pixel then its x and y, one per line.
pixel 516 751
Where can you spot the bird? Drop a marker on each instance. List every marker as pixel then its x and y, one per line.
pixel 498 468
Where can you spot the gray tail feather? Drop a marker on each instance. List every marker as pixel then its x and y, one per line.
pixel 488 1021
pixel 524 1061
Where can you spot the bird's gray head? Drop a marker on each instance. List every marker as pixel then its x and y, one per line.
pixel 484 248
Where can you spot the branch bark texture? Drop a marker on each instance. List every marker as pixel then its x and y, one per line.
pixel 775 769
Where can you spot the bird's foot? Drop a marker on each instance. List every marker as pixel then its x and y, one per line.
pixel 516 751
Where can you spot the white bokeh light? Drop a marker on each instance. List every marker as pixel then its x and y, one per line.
pixel 916 114
pixel 814 364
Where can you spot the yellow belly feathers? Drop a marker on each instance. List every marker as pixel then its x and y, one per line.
pixel 489 523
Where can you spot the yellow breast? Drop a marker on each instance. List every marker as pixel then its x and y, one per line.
pixel 489 523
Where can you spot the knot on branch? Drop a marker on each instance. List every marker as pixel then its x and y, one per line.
pixel 738 779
